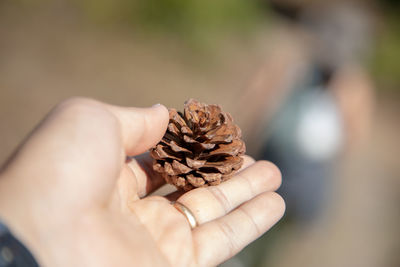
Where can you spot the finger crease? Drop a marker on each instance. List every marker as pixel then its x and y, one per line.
pixel 229 235
pixel 250 218
pixel 250 186
pixel 221 198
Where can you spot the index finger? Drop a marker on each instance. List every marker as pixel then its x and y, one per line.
pixel 147 179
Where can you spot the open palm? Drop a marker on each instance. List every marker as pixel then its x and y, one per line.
pixel 77 201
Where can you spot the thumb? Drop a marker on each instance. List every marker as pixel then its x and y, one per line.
pixel 141 128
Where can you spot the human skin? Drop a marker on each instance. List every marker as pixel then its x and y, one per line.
pixel 69 194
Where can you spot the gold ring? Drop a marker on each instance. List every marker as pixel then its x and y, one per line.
pixel 186 212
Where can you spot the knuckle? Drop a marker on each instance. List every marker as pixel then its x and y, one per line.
pixel 221 198
pixel 230 238
pixel 251 221
pixel 74 103
pixel 83 109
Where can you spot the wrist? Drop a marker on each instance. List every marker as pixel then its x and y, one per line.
pixel 16 213
pixel 12 251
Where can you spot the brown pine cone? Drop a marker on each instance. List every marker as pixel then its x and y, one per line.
pixel 201 147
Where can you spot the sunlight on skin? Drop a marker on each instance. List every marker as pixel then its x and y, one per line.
pixel 76 201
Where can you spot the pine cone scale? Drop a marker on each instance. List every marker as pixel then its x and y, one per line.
pixel 177 148
pixel 195 163
pixel 180 168
pixel 161 152
pixel 231 149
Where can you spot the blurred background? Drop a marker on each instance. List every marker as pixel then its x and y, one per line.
pixel 314 85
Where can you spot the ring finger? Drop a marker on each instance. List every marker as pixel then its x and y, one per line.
pixel 209 203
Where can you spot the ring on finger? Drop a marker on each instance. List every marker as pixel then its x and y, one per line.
pixel 187 213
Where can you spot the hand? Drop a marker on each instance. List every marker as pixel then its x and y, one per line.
pixel 70 196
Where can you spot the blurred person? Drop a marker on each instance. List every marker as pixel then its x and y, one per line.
pixel 312 100
pixel 70 196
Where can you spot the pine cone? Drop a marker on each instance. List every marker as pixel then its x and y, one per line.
pixel 201 147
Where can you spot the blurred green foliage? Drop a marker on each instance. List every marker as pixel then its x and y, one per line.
pixel 194 20
pixel 200 23
pixel 385 63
